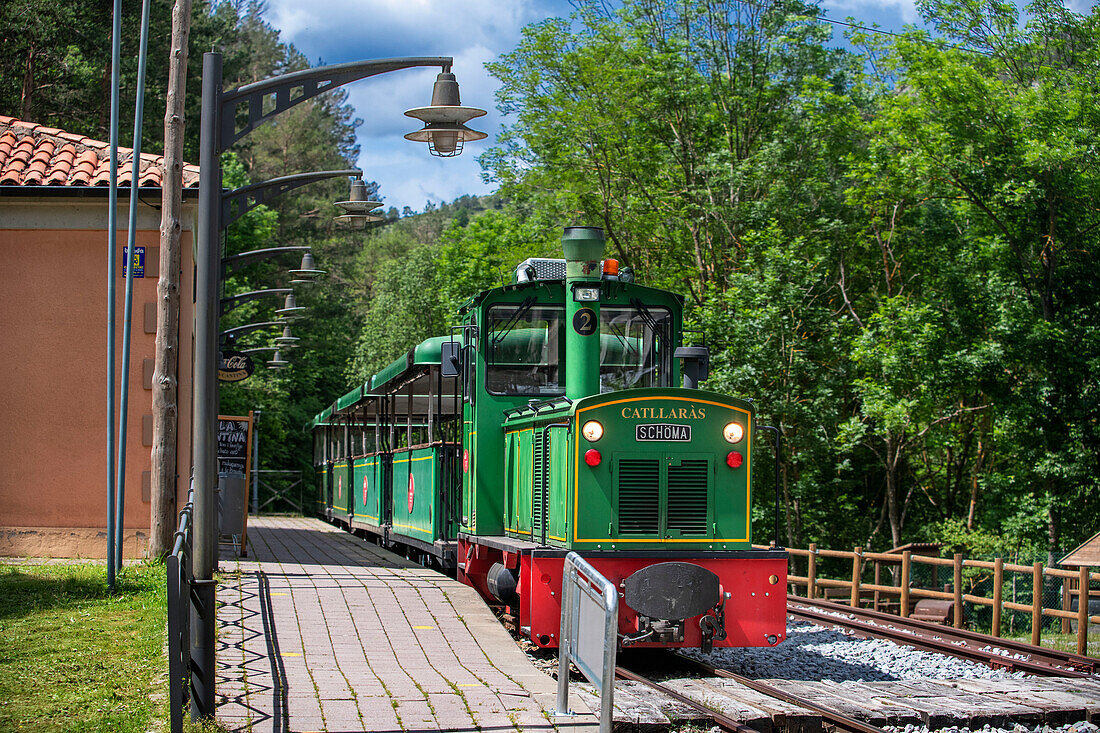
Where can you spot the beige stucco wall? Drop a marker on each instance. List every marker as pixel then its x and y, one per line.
pixel 53 384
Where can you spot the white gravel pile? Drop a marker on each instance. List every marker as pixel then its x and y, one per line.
pixel 814 653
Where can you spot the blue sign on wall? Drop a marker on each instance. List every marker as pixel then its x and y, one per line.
pixel 139 261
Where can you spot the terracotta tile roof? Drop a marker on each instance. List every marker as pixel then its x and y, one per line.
pixel 35 155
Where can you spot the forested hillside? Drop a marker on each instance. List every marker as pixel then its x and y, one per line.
pixel 891 248
pixel 888 242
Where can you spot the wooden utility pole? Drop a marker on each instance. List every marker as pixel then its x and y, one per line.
pixel 165 384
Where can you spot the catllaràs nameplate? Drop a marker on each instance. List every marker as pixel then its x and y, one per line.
pixel 662 432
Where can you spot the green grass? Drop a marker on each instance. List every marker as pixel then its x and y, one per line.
pixel 73 657
pixel 1064 642
pixel 1052 640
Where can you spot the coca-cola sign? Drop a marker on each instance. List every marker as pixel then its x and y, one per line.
pixel 235 367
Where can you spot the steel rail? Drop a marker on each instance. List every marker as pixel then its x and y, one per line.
pixel 722 721
pixel 839 720
pixel 938 639
pixel 1088 665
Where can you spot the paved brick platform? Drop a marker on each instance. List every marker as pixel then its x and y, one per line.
pixel 321 631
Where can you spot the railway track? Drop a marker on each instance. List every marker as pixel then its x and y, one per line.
pixel 722 721
pixel 997 653
pixel 835 720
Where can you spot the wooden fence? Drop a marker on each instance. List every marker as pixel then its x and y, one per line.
pixel 883 596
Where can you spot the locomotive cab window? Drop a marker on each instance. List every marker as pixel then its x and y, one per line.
pixel 635 348
pixel 523 349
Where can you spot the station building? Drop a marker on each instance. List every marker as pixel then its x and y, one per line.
pixel 53 331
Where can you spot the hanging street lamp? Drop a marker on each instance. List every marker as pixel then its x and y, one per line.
pixel 227 117
pixel 286 340
pixel 277 361
pixel 359 208
pixel 445 120
pixel 290 311
pixel 307 272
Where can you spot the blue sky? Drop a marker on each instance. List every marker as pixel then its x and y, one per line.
pixel 473 32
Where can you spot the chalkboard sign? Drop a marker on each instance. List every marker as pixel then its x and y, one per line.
pixel 232 444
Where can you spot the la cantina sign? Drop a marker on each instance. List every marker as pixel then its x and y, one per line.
pixel 235 366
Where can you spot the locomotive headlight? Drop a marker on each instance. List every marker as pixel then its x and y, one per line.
pixel 733 432
pixel 592 431
pixel 586 293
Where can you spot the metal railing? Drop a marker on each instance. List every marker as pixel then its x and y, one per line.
pixel 184 603
pixel 277 498
pixel 589 634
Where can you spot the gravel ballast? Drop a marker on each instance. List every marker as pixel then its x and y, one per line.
pixel 1079 727
pixel 812 652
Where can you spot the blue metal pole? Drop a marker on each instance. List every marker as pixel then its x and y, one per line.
pixel 112 237
pixel 131 237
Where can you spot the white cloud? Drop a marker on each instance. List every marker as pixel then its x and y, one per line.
pixel 879 11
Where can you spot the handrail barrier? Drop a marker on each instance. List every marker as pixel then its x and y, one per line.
pixel 278 498
pixel 1074 587
pixel 183 601
pixel 589 634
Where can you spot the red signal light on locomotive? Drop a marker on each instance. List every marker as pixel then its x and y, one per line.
pixel 592 457
pixel 734 459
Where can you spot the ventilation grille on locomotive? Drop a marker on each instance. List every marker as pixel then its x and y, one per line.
pixel 545 268
pixel 687 497
pixel 639 495
pixel 538 467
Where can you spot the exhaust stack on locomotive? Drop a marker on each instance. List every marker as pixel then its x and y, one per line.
pixel 583 248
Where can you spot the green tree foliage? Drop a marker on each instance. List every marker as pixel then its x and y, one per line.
pixel 987 146
pixel 55 65
pixel 418 270
pixel 890 250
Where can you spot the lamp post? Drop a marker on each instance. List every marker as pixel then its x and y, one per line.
pixel 226 117
pixel 231 302
pixel 275 362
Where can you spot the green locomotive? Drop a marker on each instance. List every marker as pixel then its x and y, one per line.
pixel 553 420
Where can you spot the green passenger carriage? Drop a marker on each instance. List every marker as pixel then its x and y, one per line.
pixel 563 414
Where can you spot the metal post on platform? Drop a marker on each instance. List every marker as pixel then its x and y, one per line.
pixel 256 463
pixel 589 607
pixel 205 394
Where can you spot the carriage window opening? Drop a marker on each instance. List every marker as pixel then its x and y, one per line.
pixel 522 350
pixel 634 346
